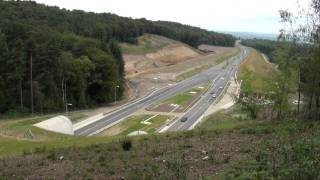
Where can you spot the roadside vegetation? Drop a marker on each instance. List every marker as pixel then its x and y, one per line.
pixel 142 123
pixel 229 145
pixel 180 102
pixel 258 72
pixel 166 156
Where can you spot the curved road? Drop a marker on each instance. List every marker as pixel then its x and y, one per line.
pixel 160 95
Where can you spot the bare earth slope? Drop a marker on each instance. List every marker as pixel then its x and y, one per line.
pixel 153 52
pixel 157 61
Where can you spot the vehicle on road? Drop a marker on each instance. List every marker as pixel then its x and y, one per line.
pixel 297 102
pixel 220 87
pixel 214 95
pixel 184 119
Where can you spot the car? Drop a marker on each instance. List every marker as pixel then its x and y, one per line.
pixel 220 87
pixel 214 95
pixel 184 119
pixel 297 102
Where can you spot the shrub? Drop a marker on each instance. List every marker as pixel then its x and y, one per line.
pixel 126 144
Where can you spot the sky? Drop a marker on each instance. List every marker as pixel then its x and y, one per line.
pixel 260 16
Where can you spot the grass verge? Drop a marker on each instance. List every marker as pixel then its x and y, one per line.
pixel 134 123
pixel 260 73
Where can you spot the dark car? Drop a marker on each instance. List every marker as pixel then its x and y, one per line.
pixel 184 119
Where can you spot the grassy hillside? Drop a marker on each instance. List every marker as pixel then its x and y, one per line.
pixel 226 146
pixel 146 43
pixel 258 71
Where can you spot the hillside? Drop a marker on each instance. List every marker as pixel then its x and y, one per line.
pixel 227 145
pixel 52 56
pixel 153 51
pixel 258 71
pixel 156 61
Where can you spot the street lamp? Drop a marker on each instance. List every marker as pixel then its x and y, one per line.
pixel 67 104
pixel 115 93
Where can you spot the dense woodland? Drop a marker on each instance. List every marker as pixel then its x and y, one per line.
pixel 268 47
pixel 51 56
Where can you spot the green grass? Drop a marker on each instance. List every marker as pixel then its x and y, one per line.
pixel 261 74
pixel 134 124
pixel 223 121
pixel 290 152
pixel 13 146
pixel 179 99
pixel 236 147
pixel 146 43
pixel 19 127
pixel 164 156
pixel 186 96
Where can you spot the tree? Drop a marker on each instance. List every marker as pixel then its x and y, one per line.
pixel 3 70
pixel 248 100
pixel 304 28
pixel 17 62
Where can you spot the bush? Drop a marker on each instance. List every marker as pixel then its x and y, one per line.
pixel 126 144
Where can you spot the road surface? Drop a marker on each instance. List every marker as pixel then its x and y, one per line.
pixel 158 96
pixel 192 117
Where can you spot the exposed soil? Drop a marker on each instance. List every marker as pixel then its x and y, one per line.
pixel 146 74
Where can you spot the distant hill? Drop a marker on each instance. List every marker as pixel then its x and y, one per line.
pixel 253 35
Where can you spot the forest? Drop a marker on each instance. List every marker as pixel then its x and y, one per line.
pixel 51 56
pixel 268 47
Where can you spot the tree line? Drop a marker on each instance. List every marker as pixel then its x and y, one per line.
pixel 51 56
pixel 297 54
pixel 268 47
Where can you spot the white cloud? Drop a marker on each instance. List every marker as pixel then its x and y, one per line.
pixel 230 15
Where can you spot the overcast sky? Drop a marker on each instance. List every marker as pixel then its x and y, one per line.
pixel 219 15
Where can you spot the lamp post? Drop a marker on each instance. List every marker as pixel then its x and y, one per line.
pixel 115 93
pixel 67 104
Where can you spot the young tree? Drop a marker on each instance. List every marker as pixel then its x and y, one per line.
pixel 304 29
pixel 248 100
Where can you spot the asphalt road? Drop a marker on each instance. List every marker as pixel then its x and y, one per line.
pixel 190 119
pixel 158 96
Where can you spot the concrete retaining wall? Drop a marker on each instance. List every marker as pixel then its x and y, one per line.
pixel 59 124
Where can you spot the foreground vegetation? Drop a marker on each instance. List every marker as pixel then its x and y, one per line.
pixel 226 146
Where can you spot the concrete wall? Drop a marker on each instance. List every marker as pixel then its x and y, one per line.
pixel 59 124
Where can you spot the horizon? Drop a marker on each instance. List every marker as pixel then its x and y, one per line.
pixel 240 18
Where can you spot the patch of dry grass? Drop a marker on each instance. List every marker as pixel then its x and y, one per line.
pixel 262 72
